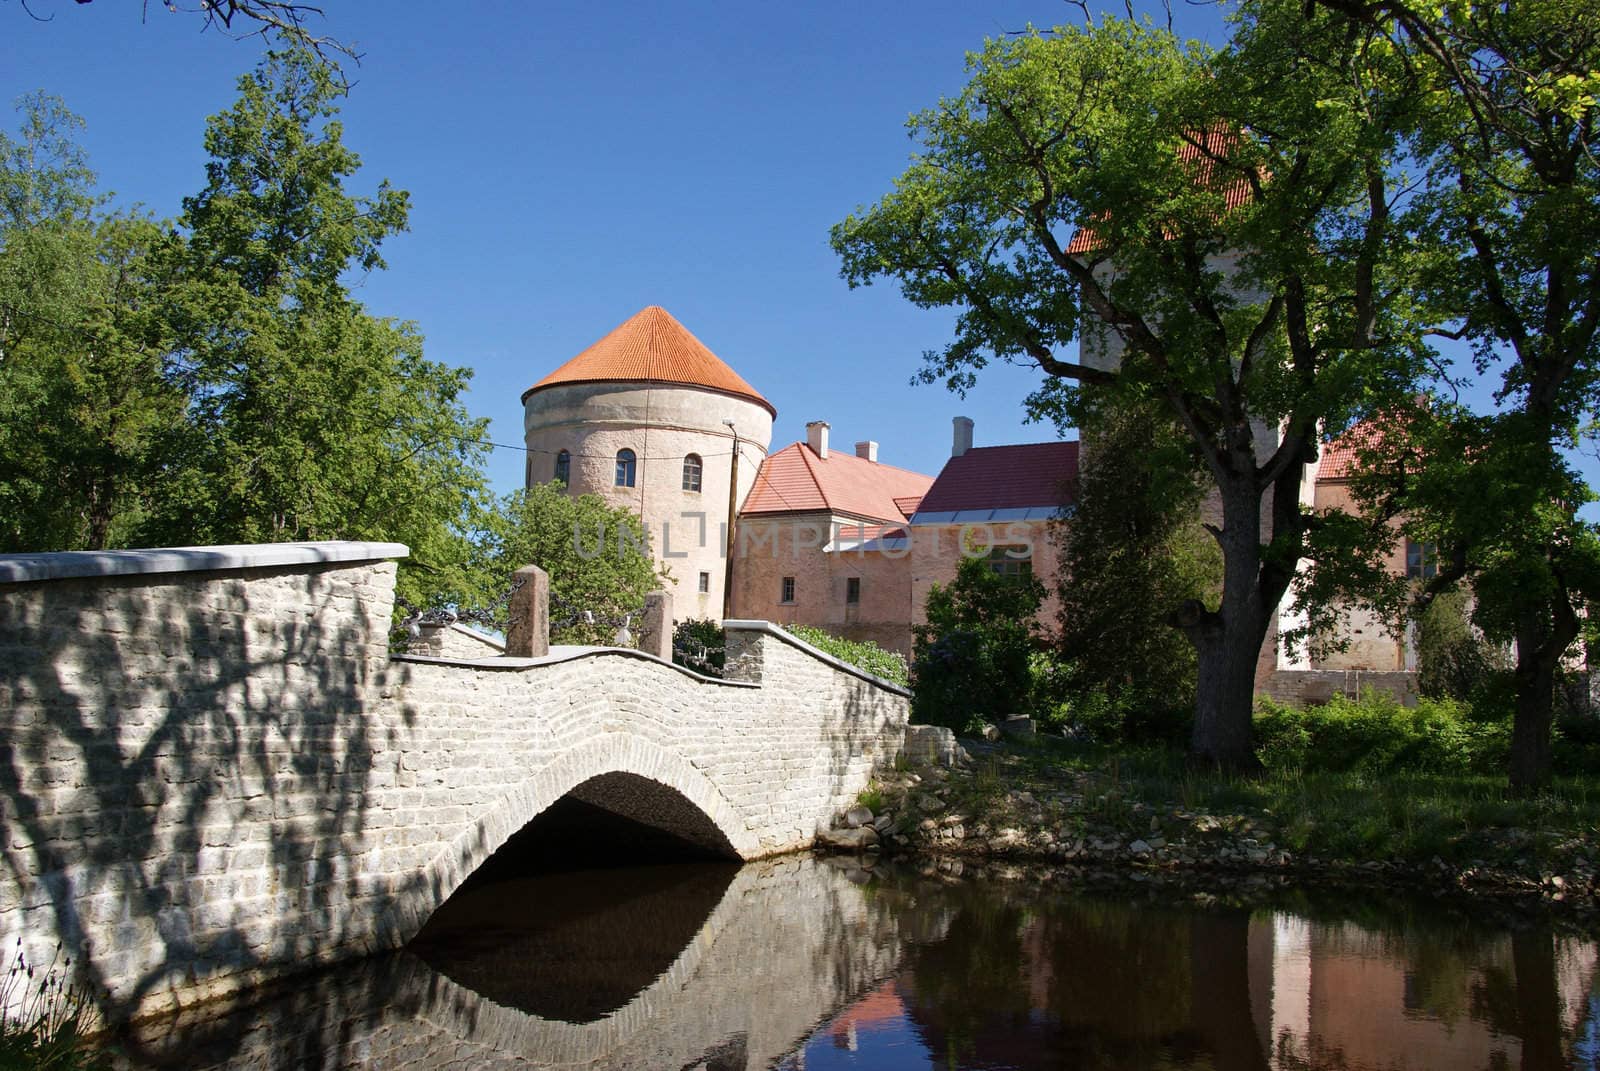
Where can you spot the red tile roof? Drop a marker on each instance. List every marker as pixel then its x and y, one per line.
pixel 871 531
pixel 1235 190
pixel 1005 477
pixel 652 347
pixel 796 480
pixel 1341 454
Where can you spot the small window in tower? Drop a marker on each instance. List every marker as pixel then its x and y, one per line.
pixel 705 583
pixel 627 466
pixel 852 590
pixel 691 472
pixel 788 590
pixel 563 467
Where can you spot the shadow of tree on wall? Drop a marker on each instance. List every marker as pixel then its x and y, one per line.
pixel 170 835
pixel 199 777
pixel 860 730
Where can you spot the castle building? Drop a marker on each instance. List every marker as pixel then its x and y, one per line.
pixel 822 541
pixel 649 418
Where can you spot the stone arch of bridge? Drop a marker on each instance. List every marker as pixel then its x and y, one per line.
pixel 610 753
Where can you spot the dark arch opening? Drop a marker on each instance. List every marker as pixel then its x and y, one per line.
pixel 613 820
pixel 547 926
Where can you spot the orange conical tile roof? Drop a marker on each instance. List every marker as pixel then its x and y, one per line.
pixel 652 347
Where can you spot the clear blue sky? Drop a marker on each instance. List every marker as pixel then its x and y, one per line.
pixel 570 164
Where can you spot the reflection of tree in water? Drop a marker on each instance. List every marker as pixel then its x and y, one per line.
pixel 1077 981
pixel 1511 984
pixel 1083 983
pixel 973 982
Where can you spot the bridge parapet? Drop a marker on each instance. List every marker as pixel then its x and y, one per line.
pixel 212 772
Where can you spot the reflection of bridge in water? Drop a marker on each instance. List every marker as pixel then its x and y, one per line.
pixel 777 947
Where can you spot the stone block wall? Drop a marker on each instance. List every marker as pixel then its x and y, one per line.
pixel 214 776
pixel 1310 687
pixel 454 640
pixel 188 759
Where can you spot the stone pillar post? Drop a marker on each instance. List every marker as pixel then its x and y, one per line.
pixel 745 657
pixel 655 631
pixel 528 631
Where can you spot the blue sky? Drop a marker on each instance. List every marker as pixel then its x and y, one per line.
pixel 570 164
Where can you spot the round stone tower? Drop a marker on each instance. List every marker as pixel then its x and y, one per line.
pixel 648 417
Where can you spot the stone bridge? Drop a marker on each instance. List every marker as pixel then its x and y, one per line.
pixel 214 773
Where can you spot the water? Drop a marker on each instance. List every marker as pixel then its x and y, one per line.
pixel 805 964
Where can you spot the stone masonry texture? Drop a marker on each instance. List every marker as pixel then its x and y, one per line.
pixel 212 779
pixel 795 926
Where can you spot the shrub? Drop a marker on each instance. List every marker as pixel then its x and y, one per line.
pixel 1125 716
pixel 974 658
pixel 1453 660
pixel 1376 735
pixel 698 643
pixel 863 654
pixel 43 1016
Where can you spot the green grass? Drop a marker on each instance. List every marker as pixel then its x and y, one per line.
pixel 1351 816
pixel 871 798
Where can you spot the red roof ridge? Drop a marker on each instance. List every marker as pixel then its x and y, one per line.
pixel 984 478
pixel 652 346
pixel 835 454
pixel 795 480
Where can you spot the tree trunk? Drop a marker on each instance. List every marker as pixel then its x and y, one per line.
pixel 1228 640
pixel 1542 638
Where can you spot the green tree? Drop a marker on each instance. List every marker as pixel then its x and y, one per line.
pixel 310 418
pixel 1509 225
pixel 597 555
pixel 1239 258
pixel 1132 548
pixel 1453 660
pixel 86 412
pixel 972 660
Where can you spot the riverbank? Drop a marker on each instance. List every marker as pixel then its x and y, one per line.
pixel 1050 802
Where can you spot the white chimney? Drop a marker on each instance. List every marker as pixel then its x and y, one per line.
pixel 961 442
pixel 817 437
pixel 867 449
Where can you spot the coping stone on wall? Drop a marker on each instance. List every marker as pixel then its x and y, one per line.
pixel 815 652
pixel 67 564
pixel 567 653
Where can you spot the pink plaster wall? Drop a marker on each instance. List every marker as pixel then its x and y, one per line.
pixel 937 552
pixel 770 548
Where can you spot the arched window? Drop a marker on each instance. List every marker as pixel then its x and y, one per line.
pixel 564 467
pixel 691 472
pixel 627 464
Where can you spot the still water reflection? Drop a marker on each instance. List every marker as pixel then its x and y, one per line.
pixel 801 964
